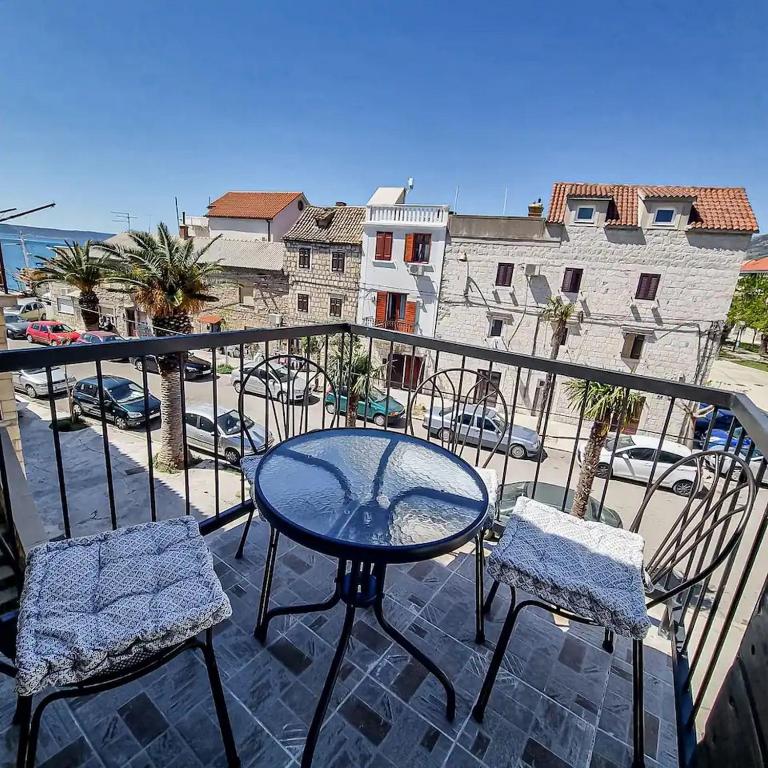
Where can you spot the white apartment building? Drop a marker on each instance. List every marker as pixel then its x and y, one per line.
pixel 401 269
pixel 651 271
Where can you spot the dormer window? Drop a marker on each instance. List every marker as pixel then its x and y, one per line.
pixel 585 214
pixel 664 217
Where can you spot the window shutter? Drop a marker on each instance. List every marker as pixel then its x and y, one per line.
pixel 387 245
pixel 381 307
pixel 408 248
pixel 380 245
pixel 410 316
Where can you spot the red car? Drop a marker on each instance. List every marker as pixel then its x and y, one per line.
pixel 51 332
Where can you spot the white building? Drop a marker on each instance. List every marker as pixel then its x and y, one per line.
pixel 650 270
pixel 248 216
pixel 401 269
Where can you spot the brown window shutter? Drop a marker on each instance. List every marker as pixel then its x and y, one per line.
pixel 381 307
pixel 410 316
pixel 380 237
pixel 408 257
pixel 387 245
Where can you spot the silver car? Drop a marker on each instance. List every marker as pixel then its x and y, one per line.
pixel 34 383
pixel 277 380
pixel 472 424
pixel 15 326
pixel 227 432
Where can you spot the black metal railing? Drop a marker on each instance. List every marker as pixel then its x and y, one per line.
pixel 703 625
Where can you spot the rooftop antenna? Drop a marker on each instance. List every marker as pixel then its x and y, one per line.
pixel 176 203
pixel 456 199
pixel 24 213
pixel 123 217
pixel 410 184
pixel 504 207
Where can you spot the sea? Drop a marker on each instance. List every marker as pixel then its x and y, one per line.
pixel 23 246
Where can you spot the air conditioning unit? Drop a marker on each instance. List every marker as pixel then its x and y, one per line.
pixel 275 319
pixel 416 269
pixel 531 270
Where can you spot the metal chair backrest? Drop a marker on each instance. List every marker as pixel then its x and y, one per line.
pixel 289 382
pixel 707 529
pixel 449 408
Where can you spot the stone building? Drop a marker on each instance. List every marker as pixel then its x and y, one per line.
pixel 650 271
pixel 323 253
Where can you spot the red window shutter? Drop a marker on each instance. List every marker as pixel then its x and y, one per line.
pixel 387 245
pixel 408 257
pixel 410 316
pixel 380 236
pixel 383 246
pixel 381 307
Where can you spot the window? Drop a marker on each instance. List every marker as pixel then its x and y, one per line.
pixel 206 425
pixel 585 214
pixel 417 245
pixel 504 274
pixel 337 261
pixel 667 457
pixel 335 308
pixel 383 246
pixel 497 326
pixel 304 258
pixel 664 216
pixel 190 419
pixel 467 418
pixel 303 302
pixel 486 425
pixel 641 454
pixel 300 205
pixel 245 294
pixel 633 346
pixel 647 286
pixel 572 280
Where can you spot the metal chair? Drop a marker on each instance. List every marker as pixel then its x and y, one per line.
pixel 454 407
pixel 703 535
pixel 293 396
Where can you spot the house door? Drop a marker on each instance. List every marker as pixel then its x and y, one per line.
pixel 132 326
pixel 405 371
pixel 485 393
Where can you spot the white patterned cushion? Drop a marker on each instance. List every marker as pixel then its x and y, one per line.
pixel 491 480
pixel 590 569
pixel 104 602
pixel 249 465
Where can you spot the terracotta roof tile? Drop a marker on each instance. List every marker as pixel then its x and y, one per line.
pixel 336 224
pixel 714 208
pixel 251 205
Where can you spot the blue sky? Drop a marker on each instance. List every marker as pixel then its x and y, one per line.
pixel 121 106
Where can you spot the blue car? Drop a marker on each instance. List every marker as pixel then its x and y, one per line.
pixel 723 420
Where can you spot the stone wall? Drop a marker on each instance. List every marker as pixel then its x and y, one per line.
pixel 320 283
pixel 698 275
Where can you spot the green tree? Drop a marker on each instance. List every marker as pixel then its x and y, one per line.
pixel 353 369
pixel 166 278
pixel 750 306
pixel 605 405
pixel 81 267
pixel 557 312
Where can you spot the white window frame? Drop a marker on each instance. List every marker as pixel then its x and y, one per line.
pixel 591 220
pixel 667 224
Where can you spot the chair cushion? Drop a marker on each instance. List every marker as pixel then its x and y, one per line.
pixel 590 569
pixel 102 603
pixel 491 479
pixel 249 465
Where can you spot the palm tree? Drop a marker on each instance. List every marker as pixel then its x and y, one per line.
pixel 165 278
pixel 605 404
pixel 350 367
pixel 77 265
pixel 557 312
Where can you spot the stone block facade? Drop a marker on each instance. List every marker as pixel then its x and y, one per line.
pixel 321 283
pixel 698 273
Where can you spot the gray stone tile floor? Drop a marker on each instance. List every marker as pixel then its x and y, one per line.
pixel 560 699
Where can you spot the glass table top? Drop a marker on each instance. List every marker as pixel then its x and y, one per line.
pixel 370 489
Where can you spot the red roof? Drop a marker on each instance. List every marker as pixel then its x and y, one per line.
pixel 251 205
pixel 755 265
pixel 713 208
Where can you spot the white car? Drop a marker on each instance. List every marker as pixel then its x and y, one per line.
pixel 281 383
pixel 634 459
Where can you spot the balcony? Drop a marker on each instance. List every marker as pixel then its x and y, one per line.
pixel 401 326
pixel 560 697
pixel 421 215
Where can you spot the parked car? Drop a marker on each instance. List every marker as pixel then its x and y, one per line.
pixel 33 309
pixel 634 459
pixel 194 367
pixel 547 493
pixel 227 432
pixel 15 326
pixel 34 381
pixel 472 421
pixel 123 401
pixel 723 419
pixel 51 332
pixel 718 440
pixel 281 383
pixel 380 409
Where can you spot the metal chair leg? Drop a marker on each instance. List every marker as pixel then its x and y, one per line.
pixel 262 622
pixel 478 711
pixel 241 546
pixel 479 590
pixel 638 709
pixel 22 717
pixel 230 748
pixel 491 594
pixel 608 641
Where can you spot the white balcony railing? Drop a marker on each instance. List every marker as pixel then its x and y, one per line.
pixel 436 215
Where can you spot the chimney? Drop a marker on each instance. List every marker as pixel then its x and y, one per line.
pixel 536 209
pixel 340 203
pixel 183 231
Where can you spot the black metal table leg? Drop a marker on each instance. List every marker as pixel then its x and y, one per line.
pixel 638 708
pixel 400 639
pixel 479 591
pixel 262 622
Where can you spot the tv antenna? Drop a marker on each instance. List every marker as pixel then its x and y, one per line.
pixel 23 213
pixel 123 217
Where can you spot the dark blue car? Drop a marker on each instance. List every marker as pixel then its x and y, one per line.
pixel 123 401
pixel 723 419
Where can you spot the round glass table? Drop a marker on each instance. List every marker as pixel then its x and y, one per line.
pixel 368 498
